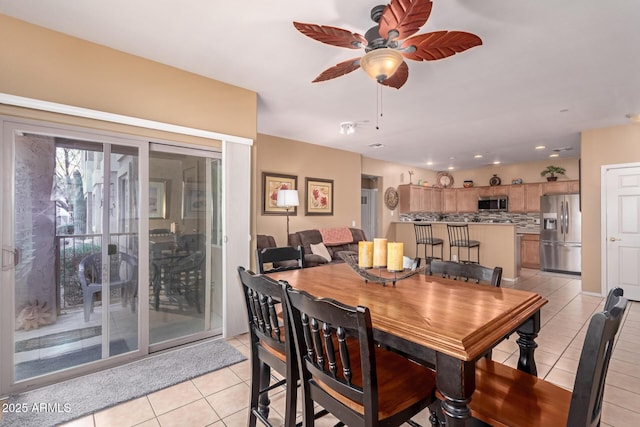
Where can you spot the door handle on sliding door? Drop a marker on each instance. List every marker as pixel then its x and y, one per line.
pixel 13 253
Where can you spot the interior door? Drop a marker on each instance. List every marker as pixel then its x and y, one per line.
pixel 622 194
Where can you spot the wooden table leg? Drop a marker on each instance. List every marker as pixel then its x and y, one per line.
pixel 456 381
pixel 528 332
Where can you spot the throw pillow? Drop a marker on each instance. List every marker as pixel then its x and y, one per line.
pixel 321 249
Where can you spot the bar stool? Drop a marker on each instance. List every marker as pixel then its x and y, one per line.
pixel 459 238
pixel 424 236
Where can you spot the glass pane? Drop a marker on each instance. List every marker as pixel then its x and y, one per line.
pixel 60 198
pixel 181 211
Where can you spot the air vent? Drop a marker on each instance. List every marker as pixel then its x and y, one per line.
pixel 376 145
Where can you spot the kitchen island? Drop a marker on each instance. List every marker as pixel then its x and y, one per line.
pixel 498 243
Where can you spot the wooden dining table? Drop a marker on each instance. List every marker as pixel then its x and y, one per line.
pixel 443 323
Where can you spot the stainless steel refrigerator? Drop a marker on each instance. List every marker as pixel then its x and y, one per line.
pixel 560 233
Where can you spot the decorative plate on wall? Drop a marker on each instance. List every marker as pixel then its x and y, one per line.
pixel 444 180
pixel 495 180
pixel 391 198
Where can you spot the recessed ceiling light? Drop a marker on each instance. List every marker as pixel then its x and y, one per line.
pixel 554 155
pixel 477 156
pixel 497 162
pixel 429 163
pixel 450 168
pixel 633 117
pixel 540 147
pixel 452 158
pixel 376 145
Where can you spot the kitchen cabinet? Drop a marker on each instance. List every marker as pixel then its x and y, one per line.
pixel 517 198
pixel 449 200
pixel 532 193
pixel 530 250
pixel 418 198
pixel 467 199
pixel 436 200
pixel 411 197
pixel 496 190
pixel 560 187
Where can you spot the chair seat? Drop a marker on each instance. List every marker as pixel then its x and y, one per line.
pixel 505 396
pixel 466 244
pixel 434 241
pixel 401 382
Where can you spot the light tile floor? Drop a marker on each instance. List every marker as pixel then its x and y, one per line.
pixel 219 399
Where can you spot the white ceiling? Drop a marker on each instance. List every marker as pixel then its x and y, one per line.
pixel 547 70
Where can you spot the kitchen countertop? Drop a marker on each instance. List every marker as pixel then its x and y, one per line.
pixel 519 230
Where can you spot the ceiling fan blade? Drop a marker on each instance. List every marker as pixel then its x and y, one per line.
pixel 404 16
pixel 439 44
pixel 332 35
pixel 399 78
pixel 338 70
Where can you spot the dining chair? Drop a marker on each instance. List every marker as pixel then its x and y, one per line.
pixel 345 372
pixel 424 236
pixel 459 238
pixel 123 273
pixel 505 396
pixel 186 279
pixel 477 272
pixel 271 347
pixel 281 258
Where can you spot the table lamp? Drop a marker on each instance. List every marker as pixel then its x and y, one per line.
pixel 287 199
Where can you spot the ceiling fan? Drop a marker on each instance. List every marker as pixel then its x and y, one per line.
pixel 386 43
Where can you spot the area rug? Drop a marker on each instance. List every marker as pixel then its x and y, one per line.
pixel 65 401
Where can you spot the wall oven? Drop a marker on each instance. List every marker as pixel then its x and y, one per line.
pixel 493 204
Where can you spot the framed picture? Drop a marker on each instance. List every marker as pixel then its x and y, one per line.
pixel 271 184
pixel 319 199
pixel 158 198
pixel 194 200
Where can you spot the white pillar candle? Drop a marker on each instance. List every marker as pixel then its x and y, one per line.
pixel 395 252
pixel 379 252
pixel 365 254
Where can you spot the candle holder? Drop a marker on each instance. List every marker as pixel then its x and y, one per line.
pixel 381 274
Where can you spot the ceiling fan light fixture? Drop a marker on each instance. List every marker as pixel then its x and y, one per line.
pixel 382 63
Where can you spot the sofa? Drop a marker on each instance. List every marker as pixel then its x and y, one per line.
pixel 307 238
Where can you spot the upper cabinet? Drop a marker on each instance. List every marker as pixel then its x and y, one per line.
pixel 561 187
pixel 523 198
pixel 417 198
pixel 467 199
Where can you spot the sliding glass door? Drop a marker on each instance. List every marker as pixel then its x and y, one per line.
pixel 185 244
pixel 111 249
pixel 70 222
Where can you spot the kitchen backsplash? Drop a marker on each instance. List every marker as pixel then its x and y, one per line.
pixel 521 220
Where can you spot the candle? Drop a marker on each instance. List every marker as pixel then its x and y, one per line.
pixel 365 254
pixel 395 252
pixel 379 252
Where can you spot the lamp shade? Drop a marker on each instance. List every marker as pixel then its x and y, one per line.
pixel 287 198
pixel 381 63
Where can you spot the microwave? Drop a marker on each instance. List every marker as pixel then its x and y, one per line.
pixel 494 203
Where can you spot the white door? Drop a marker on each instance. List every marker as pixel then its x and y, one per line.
pixel 368 218
pixel 622 204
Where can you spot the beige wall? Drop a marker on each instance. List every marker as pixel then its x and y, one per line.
pixel 285 156
pixel 46 65
pixel 608 146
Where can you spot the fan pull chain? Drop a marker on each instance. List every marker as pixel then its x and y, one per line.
pixel 378 105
